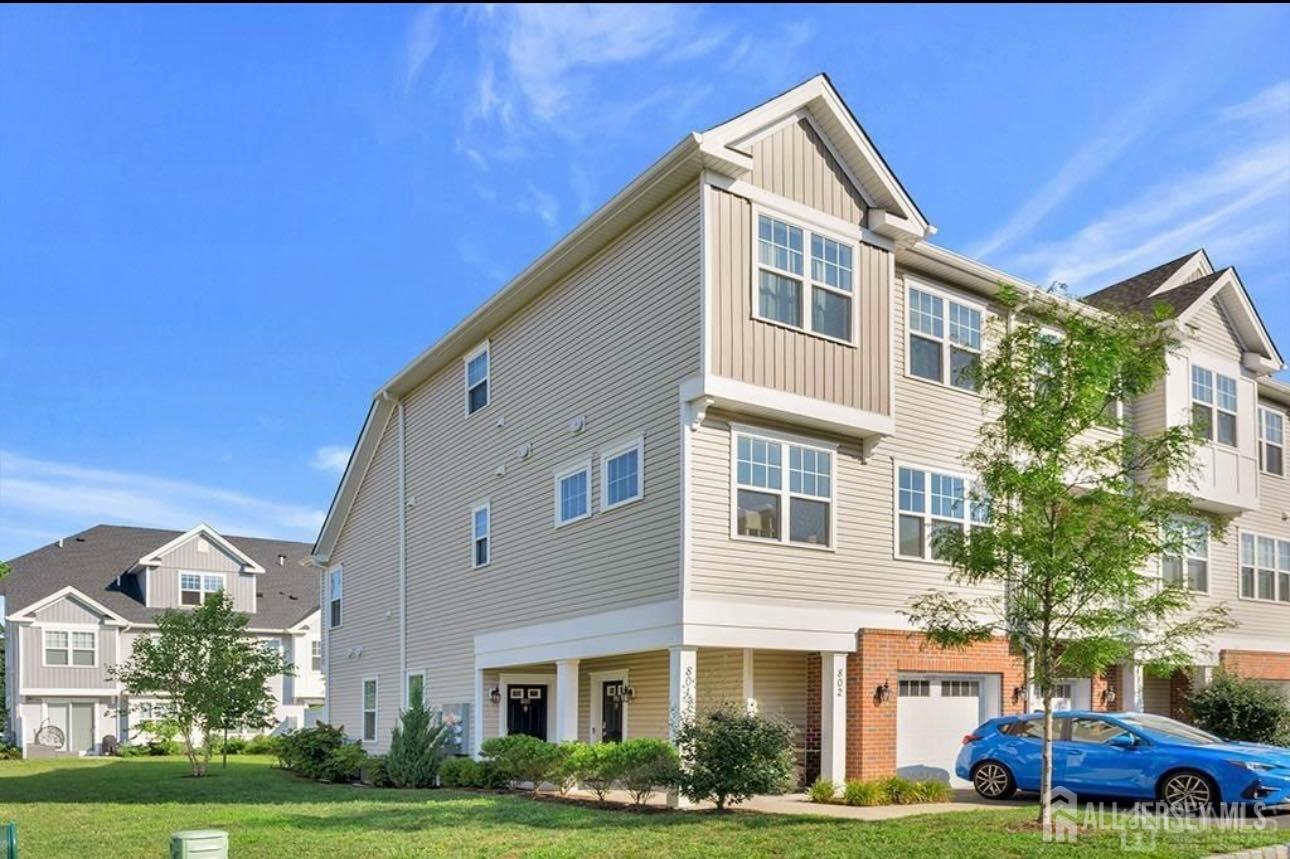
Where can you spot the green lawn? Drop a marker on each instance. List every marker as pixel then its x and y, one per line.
pixel 125 808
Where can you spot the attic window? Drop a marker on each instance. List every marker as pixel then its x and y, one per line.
pixel 196 588
pixel 203 545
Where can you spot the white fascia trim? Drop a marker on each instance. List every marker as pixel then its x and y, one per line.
pixel 652 626
pixel 303 624
pixel 70 692
pixel 785 407
pixel 153 558
pixel 1229 286
pixel 369 438
pixel 1237 641
pixel 1179 277
pixel 25 614
pixel 717 622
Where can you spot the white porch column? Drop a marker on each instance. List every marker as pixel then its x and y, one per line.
pixel 833 717
pixel 1131 693
pixel 681 696
pixel 566 700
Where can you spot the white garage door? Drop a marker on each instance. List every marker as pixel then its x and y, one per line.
pixel 933 713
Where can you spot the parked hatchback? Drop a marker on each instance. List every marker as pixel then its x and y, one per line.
pixel 1124 755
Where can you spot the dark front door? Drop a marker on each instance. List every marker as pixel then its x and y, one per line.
pixel 526 710
pixel 611 710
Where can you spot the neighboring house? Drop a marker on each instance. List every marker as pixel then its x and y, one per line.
pixel 695 452
pixel 75 607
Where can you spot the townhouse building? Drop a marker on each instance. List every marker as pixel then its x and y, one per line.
pixel 696 452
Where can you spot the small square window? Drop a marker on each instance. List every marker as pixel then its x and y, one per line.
pixel 621 475
pixel 477 373
pixel 573 495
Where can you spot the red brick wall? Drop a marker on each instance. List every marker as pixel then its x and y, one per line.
pixel 1256 664
pixel 1108 680
pixel 811 764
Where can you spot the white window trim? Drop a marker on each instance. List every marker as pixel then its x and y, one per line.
pixel 1213 406
pixel 595 680
pixel 637 444
pixel 808 227
pixel 969 481
pixel 1263 442
pixel 68 628
pixel 363 711
pixel 481 349
pixel 408 686
pixel 947 296
pixel 784 493
pixel 559 474
pixel 316 645
pixel 1276 568
pixel 487 506
pixel 223 577
pixel 339 568
pixel 1207 558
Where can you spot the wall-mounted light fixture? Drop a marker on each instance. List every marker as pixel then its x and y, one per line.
pixel 883 693
pixel 1108 696
pixel 1018 694
pixel 495 695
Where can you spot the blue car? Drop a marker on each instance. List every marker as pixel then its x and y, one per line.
pixel 1136 756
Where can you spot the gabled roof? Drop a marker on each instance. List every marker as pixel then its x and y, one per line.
pixel 156 556
pixel 28 612
pixel 97 565
pixel 1133 293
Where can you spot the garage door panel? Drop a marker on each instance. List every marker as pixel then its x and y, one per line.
pixel 933 713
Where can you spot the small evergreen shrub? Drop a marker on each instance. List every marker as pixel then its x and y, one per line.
pixel 822 790
pixel 344 764
pixel 647 765
pixel 9 753
pixel 417 747
pixel 460 772
pixel 1235 708
pixel 730 754
pixel 131 750
pixel 376 773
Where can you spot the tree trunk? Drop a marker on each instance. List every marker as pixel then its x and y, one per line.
pixel 1046 771
pixel 224 750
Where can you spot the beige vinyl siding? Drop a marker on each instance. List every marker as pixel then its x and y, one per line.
pixel 794 162
pixel 368 550
pixel 609 344
pixel 779 685
pixel 647 674
pixel 719 677
pixel 35 675
pixel 1214 331
pixel 772 356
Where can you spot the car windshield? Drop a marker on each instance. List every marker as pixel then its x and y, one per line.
pixel 1173 730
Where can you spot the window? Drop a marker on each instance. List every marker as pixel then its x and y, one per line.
pixel 960 688
pixel 416 688
pixel 621 470
pixel 573 493
pixel 1062 690
pixel 196 588
pixel 1213 406
pixel 767 507
pixel 784 282
pixel 477 379
pixel 481 529
pixel 915 689
pixel 1190 568
pixel 334 595
pixel 950 360
pixel 1272 441
pixel 315 655
pixel 369 710
pixel 75 648
pixel 1031 729
pixel 273 646
pixel 931 503
pixel 1085 730
pixel 1265 568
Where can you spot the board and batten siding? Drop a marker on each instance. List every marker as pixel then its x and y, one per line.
pixel 794 162
pixel 163 580
pixel 31 646
pixel 367 642
pixel 747 349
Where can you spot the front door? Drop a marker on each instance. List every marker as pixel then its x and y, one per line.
pixel 76 720
pixel 526 710
pixel 611 711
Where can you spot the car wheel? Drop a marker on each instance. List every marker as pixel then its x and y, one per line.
pixel 1188 791
pixel 993 780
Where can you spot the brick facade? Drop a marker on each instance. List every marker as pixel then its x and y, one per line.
pixel 1256 664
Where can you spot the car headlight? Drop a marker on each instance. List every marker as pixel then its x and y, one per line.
pixel 1253 766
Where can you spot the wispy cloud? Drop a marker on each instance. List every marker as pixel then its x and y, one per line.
pixel 45 499
pixel 423 37
pixel 331 458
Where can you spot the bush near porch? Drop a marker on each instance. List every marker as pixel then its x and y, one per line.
pixel 880 791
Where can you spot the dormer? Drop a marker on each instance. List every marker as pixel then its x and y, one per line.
pixel 198 563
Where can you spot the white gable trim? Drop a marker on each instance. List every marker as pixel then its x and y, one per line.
pixel 27 614
pixel 1186 272
pixel 153 559
pixel 746 143
pixel 1261 355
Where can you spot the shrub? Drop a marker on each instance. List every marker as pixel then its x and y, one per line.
pixel 491 776
pixel 417 747
pixel 865 793
pixel 1239 709
pixel 307 751
pixel 931 791
pixel 376 772
pixel 520 758
pixel 730 754
pixel 596 766
pixel 647 765
pixel 898 791
pixel 264 744
pixel 8 752
pixel 344 764
pixel 131 750
pixel 162 748
pixel 460 772
pixel 822 790
pixel 231 746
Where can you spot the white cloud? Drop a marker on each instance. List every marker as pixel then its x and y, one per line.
pixel 41 497
pixel 332 458
pixel 1271 102
pixel 423 37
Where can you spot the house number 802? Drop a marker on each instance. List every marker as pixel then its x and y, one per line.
pixel 842 683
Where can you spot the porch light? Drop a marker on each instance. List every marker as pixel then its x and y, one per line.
pixel 1108 696
pixel 1018 694
pixel 495 695
pixel 629 694
pixel 883 693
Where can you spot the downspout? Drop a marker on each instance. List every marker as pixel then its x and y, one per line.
pixel 403 553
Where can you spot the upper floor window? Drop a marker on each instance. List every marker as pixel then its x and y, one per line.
pixel 477 379
pixel 481 530
pixel 944 339
pixel 818 299
pixel 77 648
pixel 798 510
pixel 1213 406
pixel 334 594
pixel 416 688
pixel 1271 441
pixel 369 710
pixel 621 474
pixel 315 655
pixel 573 493
pixel 1265 568
pixel 197 588
pixel 1189 568
pixel 930 502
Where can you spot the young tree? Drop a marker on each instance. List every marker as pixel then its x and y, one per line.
pixel 417 747
pixel 213 674
pixel 1073 517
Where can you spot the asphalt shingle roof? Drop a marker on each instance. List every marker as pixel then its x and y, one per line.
pixel 93 561
pixel 1134 293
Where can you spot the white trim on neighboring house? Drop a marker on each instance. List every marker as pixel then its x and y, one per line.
pixel 524 679
pixel 485 350
pixel 785 493
pixel 595 680
pixel 363 711
pixel 154 558
pixel 560 474
pixel 613 451
pixel 26 614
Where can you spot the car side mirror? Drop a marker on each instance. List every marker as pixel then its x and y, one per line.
pixel 1123 741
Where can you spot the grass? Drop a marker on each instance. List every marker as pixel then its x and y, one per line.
pixel 129 807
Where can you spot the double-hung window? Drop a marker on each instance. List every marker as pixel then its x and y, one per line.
pixel 481 530
pixel 76 648
pixel 197 588
pixel 315 655
pixel 573 493
pixel 1272 441
pixel 818 298
pixel 1213 406
pixel 416 688
pixel 622 474
pixel 1189 568
pixel 334 594
pixel 1265 567
pixel 369 710
pixel 944 339
pixel 477 379
pixel 930 503
pixel 796 507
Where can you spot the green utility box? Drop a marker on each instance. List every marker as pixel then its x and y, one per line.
pixel 199 844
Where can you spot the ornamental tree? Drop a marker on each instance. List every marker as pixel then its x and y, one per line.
pixel 1079 506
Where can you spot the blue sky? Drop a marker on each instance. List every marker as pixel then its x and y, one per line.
pixel 222 229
